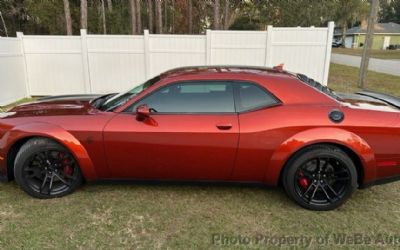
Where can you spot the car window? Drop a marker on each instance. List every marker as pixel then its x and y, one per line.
pixel 191 97
pixel 250 96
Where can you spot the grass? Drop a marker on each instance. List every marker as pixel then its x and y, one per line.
pixel 380 54
pixel 344 79
pixel 172 216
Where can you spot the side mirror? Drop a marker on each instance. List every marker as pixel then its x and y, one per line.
pixel 142 112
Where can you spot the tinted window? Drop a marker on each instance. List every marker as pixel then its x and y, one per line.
pixel 251 96
pixel 191 97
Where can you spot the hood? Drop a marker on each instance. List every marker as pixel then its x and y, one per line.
pixel 370 101
pixel 55 105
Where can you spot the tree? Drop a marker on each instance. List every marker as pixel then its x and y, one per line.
pixel 159 16
pixel 350 11
pixel 138 17
pixel 4 24
pixel 217 23
pixel 133 16
pixel 226 15
pixel 103 17
pixel 150 13
pixel 389 11
pixel 190 16
pixel 109 5
pixel 68 20
pixel 84 14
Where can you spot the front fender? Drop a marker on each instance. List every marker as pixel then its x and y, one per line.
pixel 316 136
pixel 51 131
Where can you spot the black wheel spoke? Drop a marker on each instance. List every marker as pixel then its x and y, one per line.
pixel 332 190
pixel 43 183
pixel 313 194
pixel 62 179
pixel 51 184
pixel 326 193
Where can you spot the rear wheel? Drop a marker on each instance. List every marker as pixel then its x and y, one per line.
pixel 320 177
pixel 45 169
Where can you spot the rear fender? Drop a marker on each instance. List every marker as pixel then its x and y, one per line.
pixel 319 136
pixel 56 133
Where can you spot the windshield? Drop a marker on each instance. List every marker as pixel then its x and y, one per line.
pixel 123 97
pixel 324 89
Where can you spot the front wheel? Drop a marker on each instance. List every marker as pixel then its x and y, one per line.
pixel 45 169
pixel 320 177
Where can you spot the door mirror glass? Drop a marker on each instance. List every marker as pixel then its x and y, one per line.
pixel 142 112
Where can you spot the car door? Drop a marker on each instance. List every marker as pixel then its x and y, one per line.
pixel 192 134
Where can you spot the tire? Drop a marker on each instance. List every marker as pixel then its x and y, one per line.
pixel 45 169
pixel 320 177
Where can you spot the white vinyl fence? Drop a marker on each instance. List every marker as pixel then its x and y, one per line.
pixel 55 65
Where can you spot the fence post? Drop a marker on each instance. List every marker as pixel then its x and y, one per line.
pixel 20 36
pixel 268 48
pixel 331 27
pixel 208 47
pixel 85 62
pixel 147 65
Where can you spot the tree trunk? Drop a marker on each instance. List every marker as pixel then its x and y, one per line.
pixel 4 24
pixel 190 16
pixel 109 5
pixel 166 16
pixel 173 17
pixel 138 17
pixel 150 11
pixel 84 14
pixel 217 24
pixel 344 30
pixel 226 15
pixel 133 16
pixel 159 17
pixel 103 17
pixel 68 20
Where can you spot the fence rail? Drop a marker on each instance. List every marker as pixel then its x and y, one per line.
pixel 53 65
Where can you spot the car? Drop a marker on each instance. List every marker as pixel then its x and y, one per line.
pixel 208 124
pixel 337 44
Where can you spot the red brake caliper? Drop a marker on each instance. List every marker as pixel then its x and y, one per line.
pixel 303 181
pixel 67 168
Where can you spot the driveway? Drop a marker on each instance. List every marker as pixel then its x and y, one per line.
pixel 391 67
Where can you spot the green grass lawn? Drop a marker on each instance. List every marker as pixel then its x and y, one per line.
pixel 380 54
pixel 344 79
pixel 171 216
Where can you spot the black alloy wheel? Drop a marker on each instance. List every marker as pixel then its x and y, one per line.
pixel 320 177
pixel 45 169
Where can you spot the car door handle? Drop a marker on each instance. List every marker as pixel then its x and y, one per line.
pixel 224 126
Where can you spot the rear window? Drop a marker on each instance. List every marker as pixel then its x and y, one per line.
pixel 251 96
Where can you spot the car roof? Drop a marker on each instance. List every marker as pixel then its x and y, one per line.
pixel 217 69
